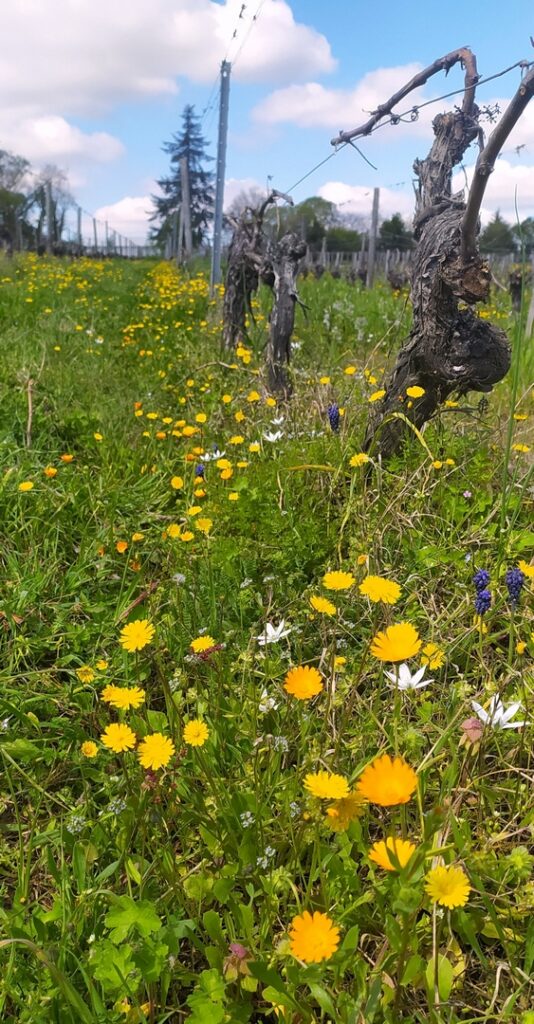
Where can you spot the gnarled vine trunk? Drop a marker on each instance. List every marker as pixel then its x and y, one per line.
pixel 280 271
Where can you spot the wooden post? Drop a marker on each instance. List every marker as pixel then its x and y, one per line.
pixel 95 235
pixel 185 209
pixel 106 229
pixel 372 239
pixel 48 208
pixel 79 229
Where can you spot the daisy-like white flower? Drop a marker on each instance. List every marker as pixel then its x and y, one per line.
pixel 497 716
pixel 404 680
pixel 273 435
pixel 272 634
pixel 267 703
pixel 211 456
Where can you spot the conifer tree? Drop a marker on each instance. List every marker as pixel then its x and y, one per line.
pixel 189 143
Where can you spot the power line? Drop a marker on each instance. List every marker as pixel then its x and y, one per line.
pixel 253 22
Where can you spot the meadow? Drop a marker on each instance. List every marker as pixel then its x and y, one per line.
pixel 266 703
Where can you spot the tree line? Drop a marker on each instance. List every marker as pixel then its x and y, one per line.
pixel 23 220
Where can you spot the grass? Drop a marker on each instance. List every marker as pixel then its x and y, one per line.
pixel 123 887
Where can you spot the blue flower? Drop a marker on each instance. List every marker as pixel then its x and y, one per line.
pixel 482 602
pixel 515 580
pixel 481 579
pixel 333 416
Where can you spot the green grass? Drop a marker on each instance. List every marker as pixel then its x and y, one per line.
pixel 122 888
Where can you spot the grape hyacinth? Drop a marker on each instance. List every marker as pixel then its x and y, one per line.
pixel 199 470
pixel 515 580
pixel 333 416
pixel 481 579
pixel 483 595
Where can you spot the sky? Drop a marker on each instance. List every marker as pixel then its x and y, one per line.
pixel 96 86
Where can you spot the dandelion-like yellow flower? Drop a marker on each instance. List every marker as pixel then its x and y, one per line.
pixel 121 546
pixel 85 674
pixel 136 635
pixel 359 459
pixel 177 483
pixel 202 643
pixel 527 569
pixel 155 751
pixel 377 395
pixel 313 937
pixel 415 391
pixel 123 697
pixel 448 886
pixel 322 605
pixel 326 785
pixel 387 782
pixel 50 472
pixel 204 524
pixel 433 656
pixel 89 749
pixel 26 485
pixel 391 852
pixel 196 733
pixel 340 814
pixel 397 643
pixel 118 737
pixel 303 682
pixel 338 580
pixel 377 588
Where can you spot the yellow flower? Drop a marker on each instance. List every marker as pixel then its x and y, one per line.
pixel 271 402
pixel 397 643
pixel 101 665
pixel 527 569
pixel 253 396
pixel 326 785
pixel 254 447
pixel 50 471
pixel 377 395
pixel 338 580
pixel 239 416
pixel 401 850
pixel 136 635
pixel 415 391
pixel 223 464
pixel 233 496
pixel 118 737
pixel 203 524
pixel 123 697
pixel 194 510
pixel 186 536
pixel 177 483
pixel 98 437
pixel 340 814
pixel 377 588
pixel 448 886
pixel 322 605
pixel 236 439
pixel 227 474
pixel 303 682
pixel 226 399
pixel 313 937
pixel 387 782
pixel 121 546
pixel 66 458
pixel 437 464
pixel 195 733
pixel 155 751
pixel 26 485
pixel 200 417
pixel 349 370
pixel 521 448
pixel 89 749
pixel 85 674
pixel 520 647
pixel 202 643
pixel 137 536
pixel 433 656
pixel 359 459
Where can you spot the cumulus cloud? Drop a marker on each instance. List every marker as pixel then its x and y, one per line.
pixel 234 187
pixel 52 139
pixel 509 184
pixel 358 199
pixel 129 216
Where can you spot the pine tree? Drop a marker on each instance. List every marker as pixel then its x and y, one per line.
pixel 189 143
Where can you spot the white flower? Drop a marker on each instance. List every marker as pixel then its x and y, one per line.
pixel 404 680
pixel 273 436
pixel 497 716
pixel 211 456
pixel 267 703
pixel 272 634
pixel 277 420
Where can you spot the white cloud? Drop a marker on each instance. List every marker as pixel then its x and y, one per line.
pixel 234 187
pixel 359 198
pixel 509 183
pixel 52 139
pixel 128 216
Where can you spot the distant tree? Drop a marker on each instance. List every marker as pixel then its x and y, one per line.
pixel 309 219
pixel 189 143
pixel 340 239
pixel 62 200
pixel 13 169
pixel 497 236
pixel 394 234
pixel 249 198
pixel 524 235
pixel 13 201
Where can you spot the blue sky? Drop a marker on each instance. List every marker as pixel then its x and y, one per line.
pixel 100 93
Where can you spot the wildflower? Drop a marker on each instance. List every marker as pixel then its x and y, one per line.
pixel 303 682
pixel 253 396
pixel 195 733
pixel 481 579
pixel 333 416
pixel 359 459
pixel 67 458
pixel 202 643
pixel 377 588
pixel 515 581
pixel 50 472
pixel 313 937
pixel 177 483
pixel 377 395
pixel 155 751
pixel 121 546
pixel 404 680
pixel 236 439
pixel 273 435
pixel 521 647
pixel 322 605
pixel 199 471
pixel 137 536
pixel 391 854
pixel 193 510
pixel 85 674
pixel 204 524
pixel 482 602
pixel 387 782
pixel 26 485
pixel 326 785
pixel 415 391
pixel 254 447
pixel 338 580
pixel 89 749
pixel 246 819
pixel 497 716
pixel 437 464
pixel 98 437
pixel 233 496
pixel 267 703
pixel 263 860
pixel 527 569
pixel 118 737
pixel 213 456
pixel 433 656
pixel 397 643
pixel 273 634
pixel 521 448
pixel 236 964
pixel 101 665
pixel 136 635
pixel 448 886
pixel 200 417
pixel 472 730
pixel 123 697
pixel 340 814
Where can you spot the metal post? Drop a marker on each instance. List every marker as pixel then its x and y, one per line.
pixel 221 165
pixel 95 235
pixel 106 228
pixel 372 239
pixel 185 209
pixel 48 211
pixel 79 229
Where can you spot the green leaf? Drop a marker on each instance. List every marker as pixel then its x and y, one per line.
pixel 112 965
pixel 414 967
pixel 213 926
pixel 127 913
pixel 445 977
pixel 350 942
pixel 267 975
pixel 22 749
pixel 323 999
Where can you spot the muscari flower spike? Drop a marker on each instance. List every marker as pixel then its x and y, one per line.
pixel 333 416
pixel 515 580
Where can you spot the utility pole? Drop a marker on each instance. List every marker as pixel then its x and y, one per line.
pixel 95 235
pixel 372 239
pixel 79 229
pixel 48 210
pixel 106 228
pixel 221 166
pixel 185 209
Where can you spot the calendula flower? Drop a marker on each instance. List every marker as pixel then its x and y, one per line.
pixel 338 580
pixel 322 605
pixel 340 814
pixel 155 751
pixel 313 937
pixel 123 697
pixel 66 458
pixel 397 643
pixel 202 643
pixel 196 733
pixel 448 886
pixel 50 471
pixel 121 546
pixel 136 635
pixel 377 588
pixel 391 854
pixel 433 656
pixel 118 737
pixel 89 749
pixel 86 674
pixel 359 459
pixel 326 785
pixel 303 682
pixel 387 782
